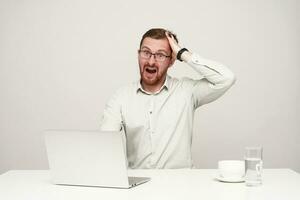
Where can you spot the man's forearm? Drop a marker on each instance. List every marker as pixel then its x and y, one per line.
pixel 216 73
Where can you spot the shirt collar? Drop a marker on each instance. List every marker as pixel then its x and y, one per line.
pixel 165 85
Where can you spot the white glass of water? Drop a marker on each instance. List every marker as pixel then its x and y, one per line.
pixel 253 166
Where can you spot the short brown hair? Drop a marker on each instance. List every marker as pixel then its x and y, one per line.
pixel 157 33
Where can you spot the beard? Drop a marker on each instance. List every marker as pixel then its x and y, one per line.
pixel 152 75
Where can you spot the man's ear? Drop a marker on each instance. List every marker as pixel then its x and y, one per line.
pixel 172 60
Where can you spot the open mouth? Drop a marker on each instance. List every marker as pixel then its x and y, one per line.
pixel 151 70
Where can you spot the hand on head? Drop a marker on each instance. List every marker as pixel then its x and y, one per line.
pixel 174 45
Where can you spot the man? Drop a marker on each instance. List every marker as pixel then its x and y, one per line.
pixel 156 113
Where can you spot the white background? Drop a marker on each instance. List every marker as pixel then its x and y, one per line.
pixel 61 60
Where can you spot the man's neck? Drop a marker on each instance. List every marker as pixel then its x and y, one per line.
pixel 153 88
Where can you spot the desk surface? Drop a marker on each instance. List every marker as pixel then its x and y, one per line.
pixel 278 184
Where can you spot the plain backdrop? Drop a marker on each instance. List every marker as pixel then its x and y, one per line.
pixel 61 60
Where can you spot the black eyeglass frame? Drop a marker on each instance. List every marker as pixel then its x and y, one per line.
pixel 153 54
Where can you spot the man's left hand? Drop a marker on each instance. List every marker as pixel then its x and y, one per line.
pixel 174 45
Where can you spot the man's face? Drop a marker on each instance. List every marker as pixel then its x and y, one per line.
pixel 153 72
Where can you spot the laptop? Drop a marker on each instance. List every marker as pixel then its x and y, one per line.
pixel 88 158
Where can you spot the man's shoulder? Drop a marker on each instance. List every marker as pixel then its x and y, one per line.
pixel 183 81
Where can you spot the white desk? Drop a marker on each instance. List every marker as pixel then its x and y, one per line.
pixel 278 184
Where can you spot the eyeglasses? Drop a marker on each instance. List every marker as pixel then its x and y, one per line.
pixel 160 57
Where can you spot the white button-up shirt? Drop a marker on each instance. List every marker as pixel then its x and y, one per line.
pixel 158 127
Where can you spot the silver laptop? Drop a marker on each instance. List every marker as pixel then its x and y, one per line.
pixel 88 158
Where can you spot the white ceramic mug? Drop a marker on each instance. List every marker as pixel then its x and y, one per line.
pixel 231 169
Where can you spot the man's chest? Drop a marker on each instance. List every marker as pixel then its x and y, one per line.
pixel 148 111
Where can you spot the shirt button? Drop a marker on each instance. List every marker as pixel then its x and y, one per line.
pixel 150 112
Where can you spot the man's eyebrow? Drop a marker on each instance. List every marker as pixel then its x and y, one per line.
pixel 144 47
pixel 162 51
pixel 159 51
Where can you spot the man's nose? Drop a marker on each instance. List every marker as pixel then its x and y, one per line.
pixel 152 59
